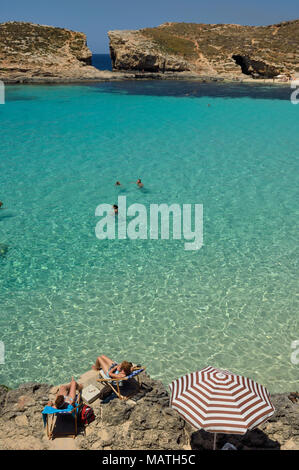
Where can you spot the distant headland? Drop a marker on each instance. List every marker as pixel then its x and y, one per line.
pixel 32 53
pixel 224 50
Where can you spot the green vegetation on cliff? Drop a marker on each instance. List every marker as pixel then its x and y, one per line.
pixel 171 44
pixel 38 40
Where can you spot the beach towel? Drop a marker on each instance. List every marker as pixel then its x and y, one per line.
pixel 49 410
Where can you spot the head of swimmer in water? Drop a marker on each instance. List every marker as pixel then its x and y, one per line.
pixel 115 208
pixel 117 183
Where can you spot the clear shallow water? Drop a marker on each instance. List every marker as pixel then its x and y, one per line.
pixel 66 296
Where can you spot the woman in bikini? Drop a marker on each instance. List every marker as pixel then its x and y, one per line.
pixel 66 395
pixel 112 369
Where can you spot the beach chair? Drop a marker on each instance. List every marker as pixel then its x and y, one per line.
pixel 51 415
pixel 117 384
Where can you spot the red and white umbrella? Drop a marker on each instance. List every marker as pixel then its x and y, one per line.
pixel 220 401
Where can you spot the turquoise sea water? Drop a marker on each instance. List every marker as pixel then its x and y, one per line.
pixel 66 297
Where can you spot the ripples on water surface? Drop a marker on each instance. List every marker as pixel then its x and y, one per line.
pixel 67 296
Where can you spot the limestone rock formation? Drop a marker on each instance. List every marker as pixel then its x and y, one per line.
pixel 225 50
pixel 133 50
pixel 32 53
pixel 30 50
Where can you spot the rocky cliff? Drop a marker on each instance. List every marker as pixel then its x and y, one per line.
pixel 144 422
pixel 30 50
pixel 32 53
pixel 225 50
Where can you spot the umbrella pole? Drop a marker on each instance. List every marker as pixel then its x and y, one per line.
pixel 214 445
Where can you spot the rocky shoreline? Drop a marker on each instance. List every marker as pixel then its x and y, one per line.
pixel 114 76
pixel 144 422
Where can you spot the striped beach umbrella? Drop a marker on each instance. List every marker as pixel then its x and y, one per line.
pixel 219 401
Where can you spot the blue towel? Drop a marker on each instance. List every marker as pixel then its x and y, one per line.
pixel 49 410
pixel 135 372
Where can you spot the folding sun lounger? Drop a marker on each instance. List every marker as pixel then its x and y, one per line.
pixel 116 384
pixel 50 415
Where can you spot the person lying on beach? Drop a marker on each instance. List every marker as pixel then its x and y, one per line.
pixel 112 369
pixel 66 395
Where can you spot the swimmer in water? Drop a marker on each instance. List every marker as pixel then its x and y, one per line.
pixel 117 183
pixel 139 184
pixel 115 208
pixel 1 204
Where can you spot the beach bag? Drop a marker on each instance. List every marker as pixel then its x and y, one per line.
pixel 87 415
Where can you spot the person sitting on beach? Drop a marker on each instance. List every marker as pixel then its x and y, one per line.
pixel 66 395
pixel 112 369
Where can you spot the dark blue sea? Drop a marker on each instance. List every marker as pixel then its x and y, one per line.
pixel 102 61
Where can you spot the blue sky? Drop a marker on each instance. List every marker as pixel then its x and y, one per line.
pixel 96 17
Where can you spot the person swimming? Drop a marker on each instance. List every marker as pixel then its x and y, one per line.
pixel 119 187
pixel 115 208
pixel 139 184
pixel 1 204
